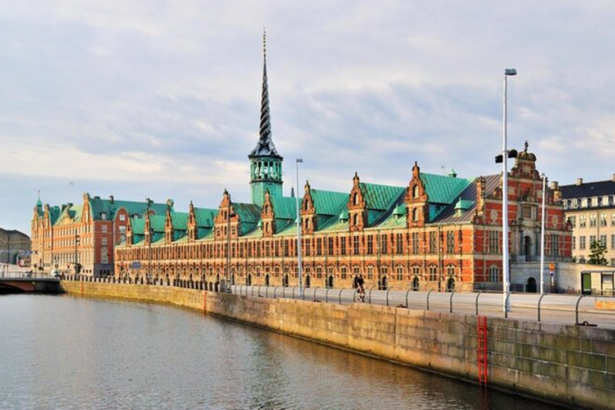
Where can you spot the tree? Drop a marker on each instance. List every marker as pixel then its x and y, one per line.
pixel 596 257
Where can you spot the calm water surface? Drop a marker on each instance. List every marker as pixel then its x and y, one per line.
pixel 64 352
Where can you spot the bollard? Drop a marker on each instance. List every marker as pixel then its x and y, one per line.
pixel 407 303
pixel 274 291
pixel 477 296
pixel 506 305
pixel 451 301
pixel 340 296
pixel 327 296
pixel 315 289
pixel 576 309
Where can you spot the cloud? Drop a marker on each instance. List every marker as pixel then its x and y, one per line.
pixel 138 98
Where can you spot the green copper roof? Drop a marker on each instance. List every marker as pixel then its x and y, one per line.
pixel 138 226
pixel 99 206
pixel 284 207
pixel 156 222
pixel 179 220
pixel 380 197
pixel 443 189
pixel 205 217
pixel 329 202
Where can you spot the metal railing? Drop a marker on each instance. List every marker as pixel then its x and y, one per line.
pixel 563 308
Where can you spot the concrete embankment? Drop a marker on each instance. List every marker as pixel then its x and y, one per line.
pixel 574 366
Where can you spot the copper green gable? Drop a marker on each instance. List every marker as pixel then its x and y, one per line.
pixel 249 216
pixel 157 222
pixel 179 220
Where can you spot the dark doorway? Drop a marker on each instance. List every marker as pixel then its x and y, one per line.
pixel 267 280
pixel 330 282
pixel 527 247
pixel 307 281
pixel 531 286
pixel 415 284
pixel 450 285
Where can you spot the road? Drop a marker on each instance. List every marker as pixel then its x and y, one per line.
pixel 554 308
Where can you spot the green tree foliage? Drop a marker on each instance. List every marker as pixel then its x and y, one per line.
pixel 596 256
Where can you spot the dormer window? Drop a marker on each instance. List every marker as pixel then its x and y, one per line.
pixel 103 216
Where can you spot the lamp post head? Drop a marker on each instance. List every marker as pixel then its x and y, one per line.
pixel 299 160
pixel 510 71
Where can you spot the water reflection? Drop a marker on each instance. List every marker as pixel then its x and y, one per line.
pixel 63 352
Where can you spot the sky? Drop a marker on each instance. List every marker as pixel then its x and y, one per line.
pixel 161 98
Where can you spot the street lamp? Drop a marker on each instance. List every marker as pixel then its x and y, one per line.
pixel 503 159
pixel 228 246
pixel 542 232
pixel 149 265
pixel 77 240
pixel 299 267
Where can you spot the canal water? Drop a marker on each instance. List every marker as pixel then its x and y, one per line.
pixel 65 352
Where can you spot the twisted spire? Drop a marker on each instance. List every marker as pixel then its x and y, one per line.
pixel 265 143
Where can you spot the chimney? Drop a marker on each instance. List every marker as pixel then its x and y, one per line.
pixel 579 181
pixel 292 191
pixel 111 198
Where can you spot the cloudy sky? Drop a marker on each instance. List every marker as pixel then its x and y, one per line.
pixel 160 98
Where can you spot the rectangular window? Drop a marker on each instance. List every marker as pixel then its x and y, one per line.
pixel 103 228
pixel 370 244
pixel 450 242
pixel 383 244
pixel 582 221
pixel 554 244
pixel 603 240
pixel 592 239
pixel 612 241
pixel 493 242
pixel 330 250
pixel 400 272
pixel 344 272
pixel 573 221
pixel 308 247
pixel 603 219
pixel 613 219
pixel 592 220
pixel 319 246
pixel 581 242
pixel 355 245
pixel 399 243
pixel 415 243
pixel 574 242
pixel 122 217
pixel 432 242
pixel 104 240
pixel 343 245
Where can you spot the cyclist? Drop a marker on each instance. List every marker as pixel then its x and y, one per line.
pixel 361 288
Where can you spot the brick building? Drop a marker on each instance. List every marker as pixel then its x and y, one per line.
pixel 437 232
pixel 81 238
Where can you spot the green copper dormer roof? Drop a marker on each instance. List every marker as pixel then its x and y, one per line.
pixel 249 216
pixel 205 217
pixel 329 202
pixel 138 226
pixel 284 207
pixel 380 197
pixel 157 222
pixel 179 220
pixel 443 189
pixel 54 214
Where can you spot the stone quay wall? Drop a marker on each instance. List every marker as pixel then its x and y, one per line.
pixel 569 365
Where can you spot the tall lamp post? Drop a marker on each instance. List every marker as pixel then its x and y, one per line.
pixel 503 158
pixel 149 265
pixel 299 267
pixel 542 232
pixel 77 240
pixel 228 246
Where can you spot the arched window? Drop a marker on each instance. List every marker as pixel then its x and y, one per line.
pixel 400 272
pixel 355 198
pixel 450 271
pixel 415 191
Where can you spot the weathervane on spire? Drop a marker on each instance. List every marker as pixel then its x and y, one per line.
pixel 526 146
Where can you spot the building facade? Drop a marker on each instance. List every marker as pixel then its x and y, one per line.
pixel 590 210
pixel 13 246
pixel 81 238
pixel 436 232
